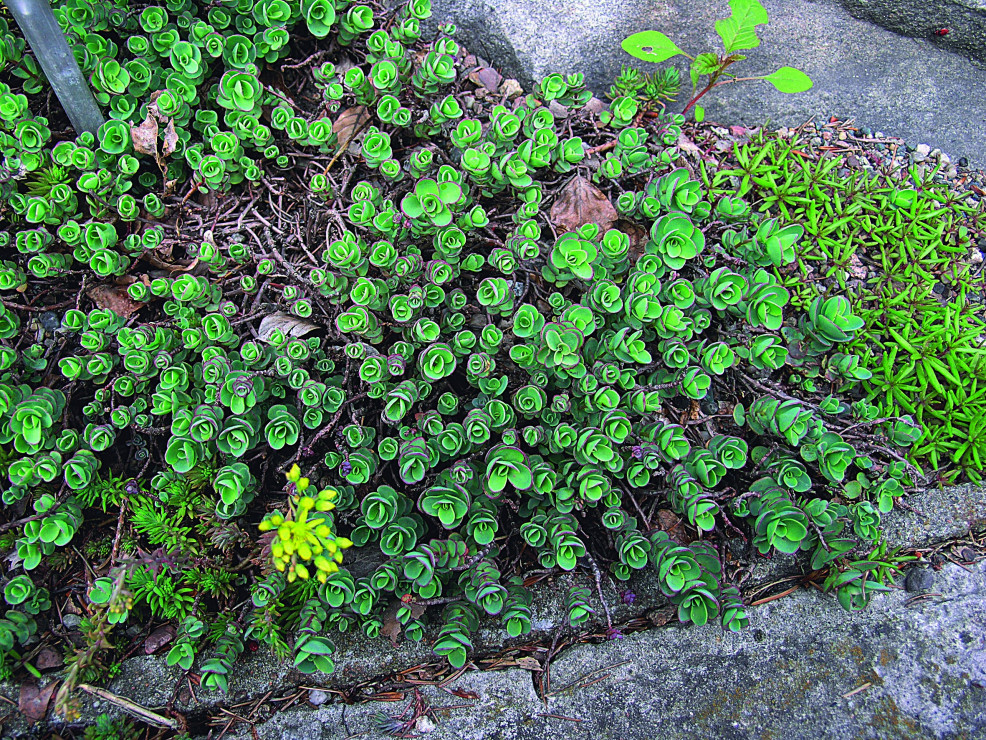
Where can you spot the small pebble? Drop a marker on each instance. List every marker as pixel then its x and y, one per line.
pixel 921 152
pixel 49 321
pixel 424 724
pixel 963 162
pixel 317 697
pixel 71 621
pixel 511 88
pixel 919 579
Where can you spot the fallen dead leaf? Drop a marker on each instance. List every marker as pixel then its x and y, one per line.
pixel 391 628
pixel 464 694
pixel 529 664
pixel 158 639
pixel 349 123
pixel 152 106
pixel 638 237
pixel 155 257
pixel 660 617
pixel 33 702
pixel 688 146
pixel 170 139
pixel 115 298
pixel 144 136
pixel 580 202
pixel 673 525
pixel 48 658
pixel 292 326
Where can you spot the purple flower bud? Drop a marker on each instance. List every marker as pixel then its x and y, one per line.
pixel 132 488
pixel 346 468
pixel 637 452
pixel 614 634
pixel 628 597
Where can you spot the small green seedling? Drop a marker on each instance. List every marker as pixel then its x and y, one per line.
pixel 738 33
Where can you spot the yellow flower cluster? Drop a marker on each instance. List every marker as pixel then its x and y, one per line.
pixel 305 536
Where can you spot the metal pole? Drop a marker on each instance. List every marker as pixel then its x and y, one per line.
pixel 43 33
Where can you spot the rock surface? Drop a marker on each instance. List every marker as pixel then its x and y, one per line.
pixel 908 86
pixel 707 661
pixel 903 668
pixel 965 21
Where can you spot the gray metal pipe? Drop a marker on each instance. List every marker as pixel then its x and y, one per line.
pixel 48 43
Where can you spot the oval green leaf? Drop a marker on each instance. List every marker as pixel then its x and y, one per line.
pixel 790 80
pixel 650 46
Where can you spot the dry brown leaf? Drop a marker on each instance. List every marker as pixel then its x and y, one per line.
pixel 579 203
pixel 348 124
pixel 673 525
pixel 115 298
pixel 152 106
pixel 687 145
pixel 48 658
pixel 158 639
pixel 660 617
pixel 391 628
pixel 529 664
pixel 33 702
pixel 170 139
pixel 144 136
pixel 154 256
pixel 638 237
pixel 292 326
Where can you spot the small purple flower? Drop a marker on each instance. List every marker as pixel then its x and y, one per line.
pixel 628 597
pixel 614 633
pixel 132 488
pixel 346 468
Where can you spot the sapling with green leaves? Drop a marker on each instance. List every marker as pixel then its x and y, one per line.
pixel 738 33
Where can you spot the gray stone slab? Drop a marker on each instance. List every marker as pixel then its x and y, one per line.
pixel 909 87
pixel 148 681
pixel 804 669
pixel 965 21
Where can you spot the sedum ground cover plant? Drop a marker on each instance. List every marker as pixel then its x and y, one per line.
pixel 313 337
pixel 899 245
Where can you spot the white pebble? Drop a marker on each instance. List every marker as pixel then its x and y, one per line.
pixel 424 724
